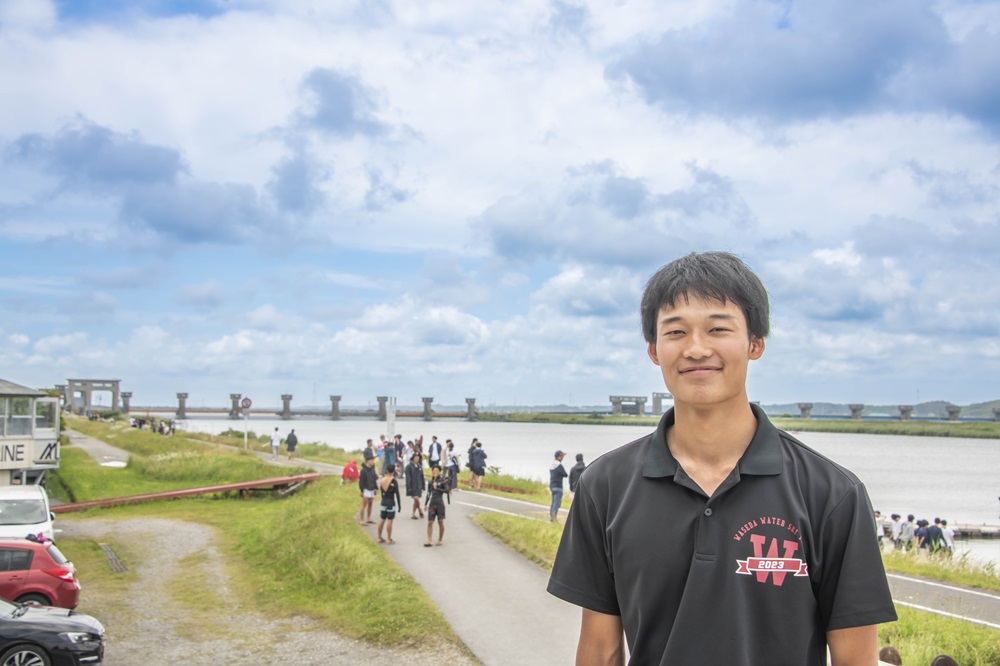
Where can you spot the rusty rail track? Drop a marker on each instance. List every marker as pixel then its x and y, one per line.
pixel 282 485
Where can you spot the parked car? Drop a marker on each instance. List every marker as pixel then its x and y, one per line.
pixel 25 510
pixel 33 570
pixel 47 636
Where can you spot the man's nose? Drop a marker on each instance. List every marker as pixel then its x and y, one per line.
pixel 697 346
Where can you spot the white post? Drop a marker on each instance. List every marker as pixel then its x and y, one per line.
pixel 390 419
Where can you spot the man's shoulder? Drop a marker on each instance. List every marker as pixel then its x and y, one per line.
pixel 809 461
pixel 619 464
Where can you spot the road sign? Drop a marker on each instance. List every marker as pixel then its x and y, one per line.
pixel 245 403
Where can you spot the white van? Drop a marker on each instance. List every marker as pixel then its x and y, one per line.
pixel 25 510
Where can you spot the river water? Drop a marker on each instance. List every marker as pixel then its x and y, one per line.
pixel 952 478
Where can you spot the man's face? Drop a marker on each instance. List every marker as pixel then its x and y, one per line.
pixel 703 350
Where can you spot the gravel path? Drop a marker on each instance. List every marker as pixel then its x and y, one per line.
pixel 147 626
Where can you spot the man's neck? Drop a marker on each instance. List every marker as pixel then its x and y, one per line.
pixel 708 442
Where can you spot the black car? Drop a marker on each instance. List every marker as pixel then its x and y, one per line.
pixel 46 636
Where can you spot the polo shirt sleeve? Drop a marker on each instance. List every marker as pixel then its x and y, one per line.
pixel 853 590
pixel 582 573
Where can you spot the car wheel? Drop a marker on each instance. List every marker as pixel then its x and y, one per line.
pixel 25 655
pixel 32 599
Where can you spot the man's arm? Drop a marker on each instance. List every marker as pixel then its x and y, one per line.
pixel 601 640
pixel 855 646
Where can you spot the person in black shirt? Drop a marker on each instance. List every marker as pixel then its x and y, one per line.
pixel 367 485
pixel 719 539
pixel 415 483
pixel 575 472
pixel 389 487
pixel 437 490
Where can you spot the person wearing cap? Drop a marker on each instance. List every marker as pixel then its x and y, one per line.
pixel 556 475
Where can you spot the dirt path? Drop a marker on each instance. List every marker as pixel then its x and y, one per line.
pixel 148 621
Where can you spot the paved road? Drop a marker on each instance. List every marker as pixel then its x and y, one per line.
pixel 496 600
pixel 98 450
pixel 978 606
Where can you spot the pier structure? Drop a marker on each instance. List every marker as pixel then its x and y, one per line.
pixel 628 404
pixel 856 410
pixel 905 412
pixel 953 412
pixel 996 413
pixel 85 388
pixel 805 410
pixel 286 412
pixel 658 399
pixel 126 397
pixel 234 411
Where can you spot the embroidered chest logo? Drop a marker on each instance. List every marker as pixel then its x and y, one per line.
pixel 778 559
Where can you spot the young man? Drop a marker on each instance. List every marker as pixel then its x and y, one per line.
pixel 907 533
pixel 437 490
pixel 896 530
pixel 575 472
pixel 275 444
pixel 719 539
pixel 367 485
pixel 478 465
pixel 556 475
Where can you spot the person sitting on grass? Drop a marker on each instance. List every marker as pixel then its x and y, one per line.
pixel 437 489
pixel 350 473
pixel 390 500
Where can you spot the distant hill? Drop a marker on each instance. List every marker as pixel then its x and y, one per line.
pixel 930 409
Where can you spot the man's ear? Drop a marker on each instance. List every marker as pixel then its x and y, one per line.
pixel 651 350
pixel 756 348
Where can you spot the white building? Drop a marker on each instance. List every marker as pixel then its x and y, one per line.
pixel 29 434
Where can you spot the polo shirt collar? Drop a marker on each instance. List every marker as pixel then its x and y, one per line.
pixel 762 457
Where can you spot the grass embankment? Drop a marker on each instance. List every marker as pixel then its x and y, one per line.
pixel 918 636
pixel 977 429
pixel 262 443
pixel 303 554
pixel 156 463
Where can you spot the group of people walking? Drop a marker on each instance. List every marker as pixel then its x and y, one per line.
pixel 936 537
pixel 382 469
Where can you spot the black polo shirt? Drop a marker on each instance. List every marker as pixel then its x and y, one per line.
pixel 757 574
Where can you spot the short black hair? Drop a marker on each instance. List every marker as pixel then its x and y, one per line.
pixel 719 276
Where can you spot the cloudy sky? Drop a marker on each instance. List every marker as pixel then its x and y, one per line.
pixel 464 199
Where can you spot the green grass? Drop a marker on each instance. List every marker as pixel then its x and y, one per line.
pixel 960 570
pixel 530 490
pixel 977 429
pixel 920 637
pixel 314 451
pixel 156 463
pixel 535 539
pixel 303 554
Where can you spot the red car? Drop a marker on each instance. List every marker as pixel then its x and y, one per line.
pixel 33 570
